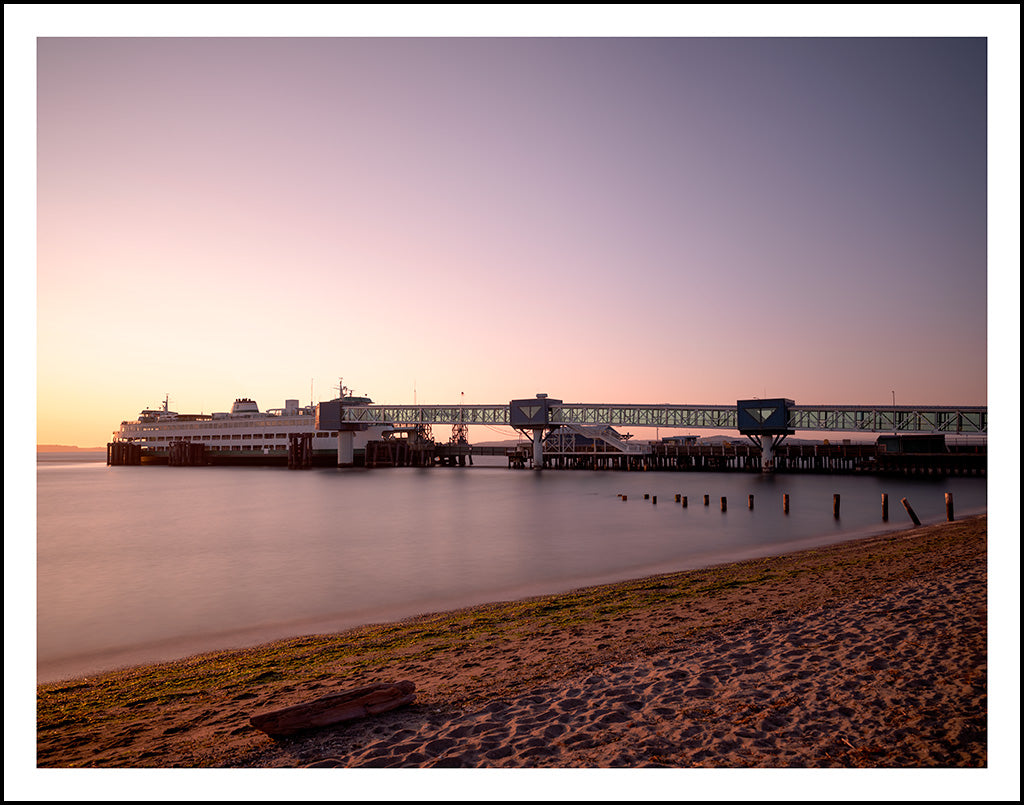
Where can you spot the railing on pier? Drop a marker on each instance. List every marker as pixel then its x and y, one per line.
pixel 838 418
pixel 887 419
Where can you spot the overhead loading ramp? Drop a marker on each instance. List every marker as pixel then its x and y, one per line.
pixel 570 439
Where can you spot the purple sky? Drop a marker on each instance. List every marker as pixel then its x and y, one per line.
pixel 679 220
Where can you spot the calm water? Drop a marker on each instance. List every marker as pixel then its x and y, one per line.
pixel 137 564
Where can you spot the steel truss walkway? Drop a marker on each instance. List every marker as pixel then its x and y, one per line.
pixel 960 420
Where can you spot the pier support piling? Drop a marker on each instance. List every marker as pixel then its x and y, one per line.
pixel 538 448
pixel 346 448
pixel 767 453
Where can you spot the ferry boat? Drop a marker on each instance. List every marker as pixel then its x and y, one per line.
pixel 244 435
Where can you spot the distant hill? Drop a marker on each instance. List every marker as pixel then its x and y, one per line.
pixel 67 448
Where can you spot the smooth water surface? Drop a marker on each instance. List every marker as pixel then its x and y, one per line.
pixel 137 564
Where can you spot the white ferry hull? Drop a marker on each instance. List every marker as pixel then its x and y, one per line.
pixel 243 437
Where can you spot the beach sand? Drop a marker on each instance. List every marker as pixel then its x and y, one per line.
pixel 867 654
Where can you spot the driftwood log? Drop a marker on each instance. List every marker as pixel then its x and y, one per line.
pixel 345 706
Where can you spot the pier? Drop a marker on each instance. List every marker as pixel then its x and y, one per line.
pixel 653 457
pixel 581 436
pixel 828 459
pixel 557 435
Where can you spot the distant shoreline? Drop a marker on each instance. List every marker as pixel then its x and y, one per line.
pixel 67 448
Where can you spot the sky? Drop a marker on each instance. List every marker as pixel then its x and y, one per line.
pixel 690 220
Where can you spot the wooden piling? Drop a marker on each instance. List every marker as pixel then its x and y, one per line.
pixel 750 501
pixel 949 506
pixel 723 504
pixel 677 497
pixel 684 501
pixel 910 511
pixel 885 507
pixel 785 503
pixel 835 506
pixel 654 499
pixel 300 451
pixel 124 454
pixel 707 500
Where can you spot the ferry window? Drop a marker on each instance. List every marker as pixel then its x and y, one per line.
pixel 236 436
pixel 246 435
pixel 280 435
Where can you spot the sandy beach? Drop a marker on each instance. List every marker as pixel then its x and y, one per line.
pixel 867 654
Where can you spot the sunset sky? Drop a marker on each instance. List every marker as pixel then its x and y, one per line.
pixel 683 220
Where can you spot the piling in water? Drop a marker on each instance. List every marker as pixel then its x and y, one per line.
pixel 885 507
pixel 835 506
pixel 750 501
pixel 949 506
pixel 910 511
pixel 723 504
pixel 785 503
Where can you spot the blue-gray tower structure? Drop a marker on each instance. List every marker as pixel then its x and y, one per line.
pixel 533 415
pixel 765 422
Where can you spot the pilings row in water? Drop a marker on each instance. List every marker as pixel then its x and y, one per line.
pixel 680 498
pixel 186 454
pixel 300 451
pixel 829 459
pixel 397 453
pixel 124 454
pixel 403 453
